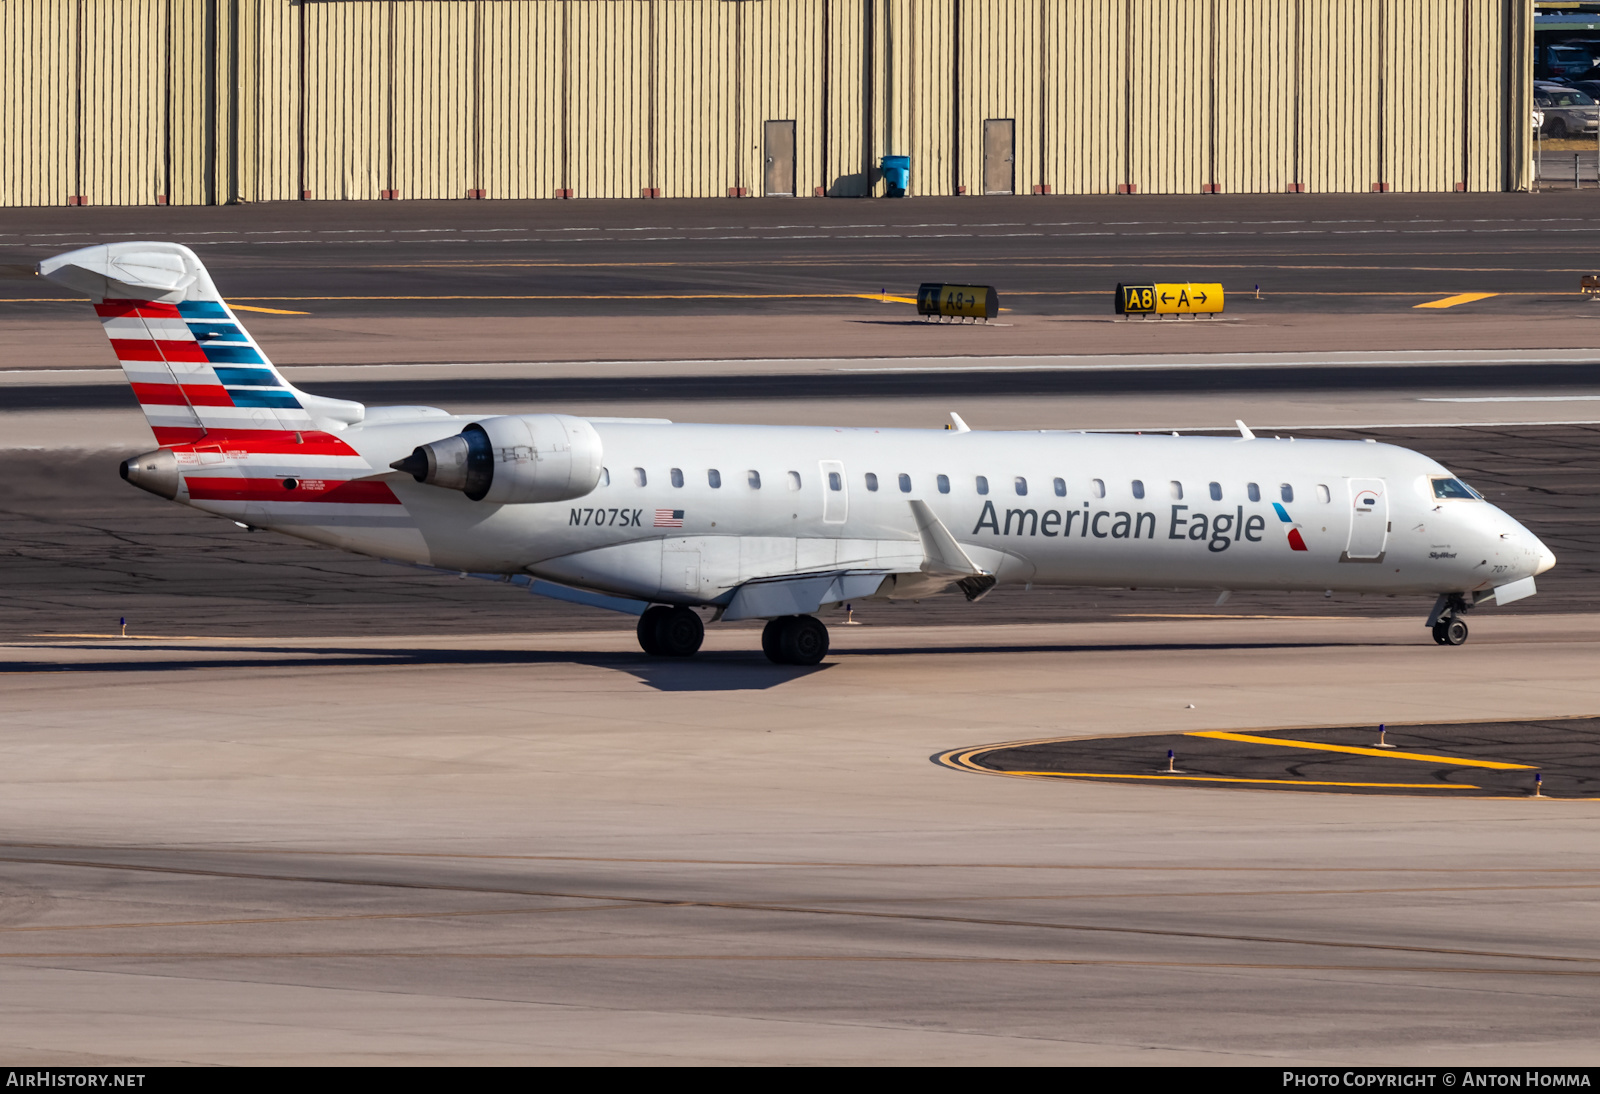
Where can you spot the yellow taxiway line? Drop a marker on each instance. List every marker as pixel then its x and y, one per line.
pixel 1387 753
pixel 1459 298
pixel 1165 777
pixel 267 311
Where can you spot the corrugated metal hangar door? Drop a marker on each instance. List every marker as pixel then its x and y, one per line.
pixel 202 101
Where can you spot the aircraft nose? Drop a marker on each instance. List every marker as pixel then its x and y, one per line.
pixel 1546 558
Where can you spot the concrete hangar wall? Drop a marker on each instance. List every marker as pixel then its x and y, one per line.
pixel 209 101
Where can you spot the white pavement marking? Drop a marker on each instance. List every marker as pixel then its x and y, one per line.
pixel 1514 399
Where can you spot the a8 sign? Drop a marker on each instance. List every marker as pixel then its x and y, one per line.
pixel 1135 299
pixel 1177 298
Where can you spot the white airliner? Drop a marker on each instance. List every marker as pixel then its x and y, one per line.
pixel 765 522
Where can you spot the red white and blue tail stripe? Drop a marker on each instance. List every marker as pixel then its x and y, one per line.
pixel 244 441
pixel 195 370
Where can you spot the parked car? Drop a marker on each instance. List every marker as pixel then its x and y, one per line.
pixel 1567 111
pixel 1567 61
pixel 1590 88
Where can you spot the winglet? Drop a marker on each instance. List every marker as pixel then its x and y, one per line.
pixel 961 427
pixel 1244 430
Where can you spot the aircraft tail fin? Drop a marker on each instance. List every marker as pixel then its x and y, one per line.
pixel 194 368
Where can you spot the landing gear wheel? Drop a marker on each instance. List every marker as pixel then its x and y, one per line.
pixel 648 622
pixel 770 637
pixel 1454 632
pixel 679 633
pixel 794 640
pixel 801 640
pixel 1438 633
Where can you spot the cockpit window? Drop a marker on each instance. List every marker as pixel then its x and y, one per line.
pixel 1454 488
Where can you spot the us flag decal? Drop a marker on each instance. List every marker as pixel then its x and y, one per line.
pixel 669 518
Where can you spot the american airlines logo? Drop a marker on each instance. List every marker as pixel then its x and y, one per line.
pixel 1218 531
pixel 1295 542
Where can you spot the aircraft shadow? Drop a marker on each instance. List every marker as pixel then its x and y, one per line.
pixel 708 672
pixel 1108 647
pixel 719 672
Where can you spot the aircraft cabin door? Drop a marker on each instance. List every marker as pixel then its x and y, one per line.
pixel 779 168
pixel 835 492
pixel 1369 520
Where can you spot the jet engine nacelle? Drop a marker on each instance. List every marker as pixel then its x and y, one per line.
pixel 513 459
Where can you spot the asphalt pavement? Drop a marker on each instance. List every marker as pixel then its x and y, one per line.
pixel 1046 255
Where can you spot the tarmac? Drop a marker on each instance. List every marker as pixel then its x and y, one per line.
pixel 312 808
pixel 553 849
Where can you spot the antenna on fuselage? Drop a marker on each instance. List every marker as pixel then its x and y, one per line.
pixel 960 426
pixel 1244 430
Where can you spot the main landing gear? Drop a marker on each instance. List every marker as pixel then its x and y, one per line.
pixel 678 632
pixel 670 632
pixel 795 640
pixel 1449 629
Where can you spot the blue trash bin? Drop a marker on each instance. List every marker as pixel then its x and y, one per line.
pixel 897 175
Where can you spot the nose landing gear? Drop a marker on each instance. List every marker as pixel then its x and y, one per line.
pixel 1449 629
pixel 795 640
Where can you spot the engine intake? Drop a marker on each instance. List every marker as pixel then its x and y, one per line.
pixel 512 459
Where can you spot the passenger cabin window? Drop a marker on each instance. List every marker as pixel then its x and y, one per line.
pixel 1097 487
pixel 1022 487
pixel 983 484
pixel 1253 491
pixel 1216 491
pixel 835 481
pixel 639 477
pixel 905 484
pixel 1454 488
pixel 872 481
pixel 677 476
pixel 754 479
pixel 1286 492
pixel 944 484
pixel 794 480
pixel 1323 494
pixel 605 476
pixel 1177 490
pixel 1061 487
pixel 1138 488
pixel 714 479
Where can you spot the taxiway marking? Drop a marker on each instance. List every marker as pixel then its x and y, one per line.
pixel 1387 753
pixel 1164 777
pixel 1459 298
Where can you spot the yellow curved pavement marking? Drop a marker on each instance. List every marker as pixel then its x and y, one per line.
pixel 1162 776
pixel 1387 753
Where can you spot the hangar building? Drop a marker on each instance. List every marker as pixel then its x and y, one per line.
pixel 212 101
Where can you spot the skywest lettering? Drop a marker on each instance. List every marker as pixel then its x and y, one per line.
pixel 1218 531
